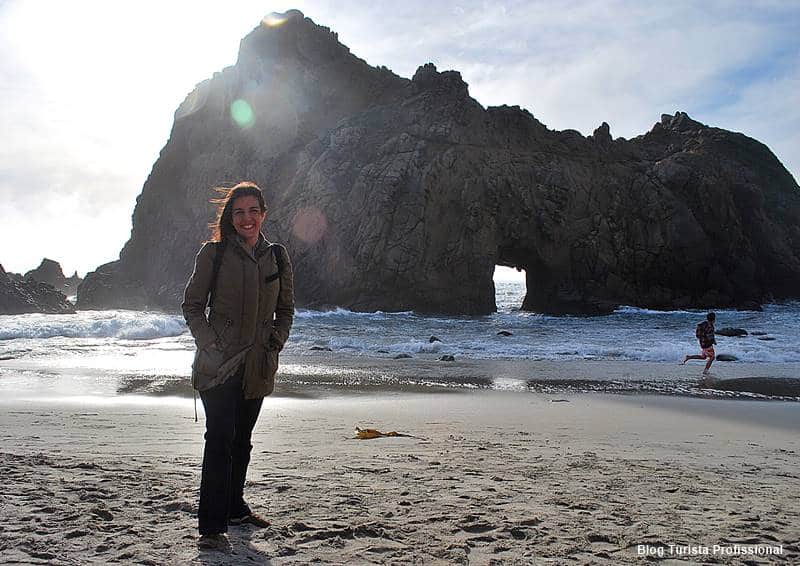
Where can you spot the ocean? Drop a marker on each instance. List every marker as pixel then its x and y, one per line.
pixel 102 354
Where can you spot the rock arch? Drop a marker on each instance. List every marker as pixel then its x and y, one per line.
pixel 409 192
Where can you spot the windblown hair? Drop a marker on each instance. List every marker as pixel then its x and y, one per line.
pixel 223 227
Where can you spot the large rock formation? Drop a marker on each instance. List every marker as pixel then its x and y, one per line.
pixel 403 195
pixel 20 296
pixel 50 272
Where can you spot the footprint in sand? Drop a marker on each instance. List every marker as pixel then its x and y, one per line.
pixel 103 514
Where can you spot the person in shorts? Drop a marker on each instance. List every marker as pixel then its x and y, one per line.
pixel 706 338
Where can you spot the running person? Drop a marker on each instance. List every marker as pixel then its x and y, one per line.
pixel 705 335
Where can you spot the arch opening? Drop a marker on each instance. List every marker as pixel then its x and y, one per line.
pixel 512 277
pixel 509 288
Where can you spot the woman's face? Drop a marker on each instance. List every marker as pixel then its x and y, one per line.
pixel 247 218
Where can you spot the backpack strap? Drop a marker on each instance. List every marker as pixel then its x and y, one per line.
pixel 278 261
pixel 220 251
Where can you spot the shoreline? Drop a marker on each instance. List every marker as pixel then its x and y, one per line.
pixel 326 373
pixel 426 373
pixel 487 477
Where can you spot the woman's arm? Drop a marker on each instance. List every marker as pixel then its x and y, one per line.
pixel 195 297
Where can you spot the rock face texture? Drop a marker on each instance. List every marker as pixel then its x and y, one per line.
pixel 20 296
pixel 50 272
pixel 399 194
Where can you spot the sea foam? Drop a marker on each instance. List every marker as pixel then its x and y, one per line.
pixel 123 325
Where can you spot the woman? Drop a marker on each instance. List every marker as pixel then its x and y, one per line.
pixel 247 284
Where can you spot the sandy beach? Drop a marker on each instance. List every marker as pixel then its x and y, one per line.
pixel 486 477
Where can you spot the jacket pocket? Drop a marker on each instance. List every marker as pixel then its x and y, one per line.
pixel 205 368
pixel 222 333
pixel 269 338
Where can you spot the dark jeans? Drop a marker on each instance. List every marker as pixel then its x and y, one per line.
pixel 229 425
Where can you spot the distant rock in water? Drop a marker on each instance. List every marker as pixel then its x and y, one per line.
pixel 50 272
pixel 20 296
pixel 394 194
pixel 749 306
pixel 779 387
pixel 727 358
pixel 732 332
pixel 72 283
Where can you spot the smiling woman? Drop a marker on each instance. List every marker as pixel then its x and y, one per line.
pixel 246 283
pixel 248 215
pixel 242 210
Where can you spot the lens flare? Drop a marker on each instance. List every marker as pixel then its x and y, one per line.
pixel 309 224
pixel 274 20
pixel 242 114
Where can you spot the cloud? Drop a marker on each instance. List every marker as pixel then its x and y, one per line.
pixel 769 110
pixel 576 64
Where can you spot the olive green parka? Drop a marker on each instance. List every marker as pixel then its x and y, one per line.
pixel 252 311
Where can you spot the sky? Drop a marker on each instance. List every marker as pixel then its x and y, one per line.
pixel 88 89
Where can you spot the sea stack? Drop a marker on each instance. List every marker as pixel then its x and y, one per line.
pixel 20 296
pixel 50 272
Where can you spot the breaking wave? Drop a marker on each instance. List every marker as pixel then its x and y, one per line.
pixel 123 325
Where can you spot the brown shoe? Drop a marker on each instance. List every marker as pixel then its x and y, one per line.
pixel 250 519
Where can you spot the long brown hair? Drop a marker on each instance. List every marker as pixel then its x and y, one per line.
pixel 223 227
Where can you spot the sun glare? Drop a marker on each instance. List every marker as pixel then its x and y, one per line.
pixel 274 20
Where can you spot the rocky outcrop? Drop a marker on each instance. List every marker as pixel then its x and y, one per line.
pixel 106 287
pixel 727 331
pixel 20 296
pixel 403 195
pixel 50 272
pixel 71 284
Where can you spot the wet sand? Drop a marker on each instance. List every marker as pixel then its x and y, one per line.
pixel 727 380
pixel 487 477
